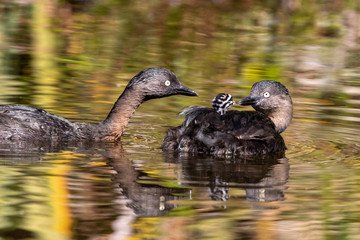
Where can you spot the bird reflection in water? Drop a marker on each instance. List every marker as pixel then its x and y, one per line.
pixel 115 204
pixel 262 177
pixel 104 195
pixel 107 198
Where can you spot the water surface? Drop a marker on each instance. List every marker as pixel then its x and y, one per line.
pixel 74 58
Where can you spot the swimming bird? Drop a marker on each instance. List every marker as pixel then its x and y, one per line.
pixel 236 132
pixel 21 123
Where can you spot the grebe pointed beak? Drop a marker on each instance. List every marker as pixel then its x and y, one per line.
pixel 186 91
pixel 249 101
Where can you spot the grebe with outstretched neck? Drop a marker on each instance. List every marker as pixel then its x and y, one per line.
pixel 21 123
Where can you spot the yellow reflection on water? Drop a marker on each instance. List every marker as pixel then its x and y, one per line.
pixel 59 199
pixel 44 43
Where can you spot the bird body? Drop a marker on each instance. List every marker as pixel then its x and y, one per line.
pixel 21 123
pixel 236 132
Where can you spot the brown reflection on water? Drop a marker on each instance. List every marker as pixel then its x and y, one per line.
pixel 146 199
pixel 262 178
pixel 104 207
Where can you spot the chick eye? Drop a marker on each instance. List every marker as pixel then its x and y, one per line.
pixel 266 94
pixel 167 83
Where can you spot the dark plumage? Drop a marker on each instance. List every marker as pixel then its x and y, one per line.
pixel 236 132
pixel 20 123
